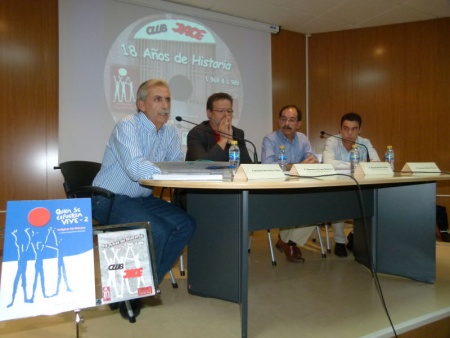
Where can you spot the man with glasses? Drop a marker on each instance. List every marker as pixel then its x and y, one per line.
pixel 297 150
pixel 211 139
pixel 337 153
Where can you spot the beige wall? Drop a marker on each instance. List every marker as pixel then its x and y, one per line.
pixel 397 77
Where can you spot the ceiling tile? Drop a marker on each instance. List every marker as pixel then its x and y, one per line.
pixel 315 8
pixel 397 15
pixel 353 12
pixel 285 18
pixel 313 16
pixel 244 9
pixel 439 8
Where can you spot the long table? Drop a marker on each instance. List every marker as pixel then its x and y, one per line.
pixel 394 225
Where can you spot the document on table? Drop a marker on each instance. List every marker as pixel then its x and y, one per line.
pixel 192 171
pixel 188 177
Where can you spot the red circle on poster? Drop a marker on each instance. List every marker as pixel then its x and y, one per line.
pixel 39 217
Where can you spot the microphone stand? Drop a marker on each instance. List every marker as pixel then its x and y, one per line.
pixel 255 154
pixel 322 133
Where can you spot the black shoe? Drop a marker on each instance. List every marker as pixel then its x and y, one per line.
pixel 350 241
pixel 445 236
pixel 339 250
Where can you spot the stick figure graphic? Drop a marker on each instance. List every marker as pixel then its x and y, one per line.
pixel 22 241
pixel 61 265
pixel 40 250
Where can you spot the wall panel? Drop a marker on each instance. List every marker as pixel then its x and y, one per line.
pixel 397 77
pixel 29 96
pixel 288 73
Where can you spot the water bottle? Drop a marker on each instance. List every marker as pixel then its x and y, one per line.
pixel 354 158
pixel 234 156
pixel 389 156
pixel 282 160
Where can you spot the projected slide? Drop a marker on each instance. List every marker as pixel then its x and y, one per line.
pixel 192 57
pixel 109 47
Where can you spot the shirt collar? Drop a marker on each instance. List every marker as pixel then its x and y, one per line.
pixel 148 125
pixel 284 138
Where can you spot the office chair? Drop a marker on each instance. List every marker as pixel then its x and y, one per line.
pixel 272 255
pixel 78 178
pixel 326 226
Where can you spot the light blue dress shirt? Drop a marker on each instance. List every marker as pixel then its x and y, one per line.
pixel 296 150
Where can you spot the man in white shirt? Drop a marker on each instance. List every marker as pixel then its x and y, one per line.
pixel 337 153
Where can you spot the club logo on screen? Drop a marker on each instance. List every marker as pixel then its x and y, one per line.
pixel 191 57
pixel 175 30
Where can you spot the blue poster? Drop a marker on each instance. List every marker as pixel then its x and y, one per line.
pixel 48 262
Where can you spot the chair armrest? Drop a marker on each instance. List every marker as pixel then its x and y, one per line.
pixel 90 191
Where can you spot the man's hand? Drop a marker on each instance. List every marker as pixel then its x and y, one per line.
pixel 310 159
pixel 224 130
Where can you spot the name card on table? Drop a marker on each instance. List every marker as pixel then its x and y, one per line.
pixel 374 169
pixel 311 170
pixel 420 168
pixel 259 171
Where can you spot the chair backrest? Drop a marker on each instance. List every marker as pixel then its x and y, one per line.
pixel 78 174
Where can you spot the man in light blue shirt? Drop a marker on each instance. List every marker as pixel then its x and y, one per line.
pixel 337 153
pixel 297 150
pixel 136 142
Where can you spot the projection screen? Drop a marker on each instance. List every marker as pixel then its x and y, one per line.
pixel 108 48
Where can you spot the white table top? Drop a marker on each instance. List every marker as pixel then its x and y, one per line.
pixel 295 182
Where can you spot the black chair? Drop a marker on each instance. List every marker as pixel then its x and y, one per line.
pixel 78 178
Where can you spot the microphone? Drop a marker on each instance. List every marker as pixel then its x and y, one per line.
pixel 345 140
pixel 255 154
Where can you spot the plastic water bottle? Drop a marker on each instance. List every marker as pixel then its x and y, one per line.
pixel 234 156
pixel 389 156
pixel 282 160
pixel 354 158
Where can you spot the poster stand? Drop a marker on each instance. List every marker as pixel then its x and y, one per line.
pixel 78 320
pixel 122 235
pixel 123 261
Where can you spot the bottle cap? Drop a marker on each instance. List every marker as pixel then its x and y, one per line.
pixel 354 146
pixel 389 147
pixel 234 142
pixel 281 147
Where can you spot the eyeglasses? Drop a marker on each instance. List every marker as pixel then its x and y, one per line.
pixel 285 119
pixel 222 111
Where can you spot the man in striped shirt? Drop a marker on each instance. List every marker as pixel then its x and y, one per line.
pixel 136 142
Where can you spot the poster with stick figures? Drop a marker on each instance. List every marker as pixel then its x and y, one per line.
pixel 48 263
